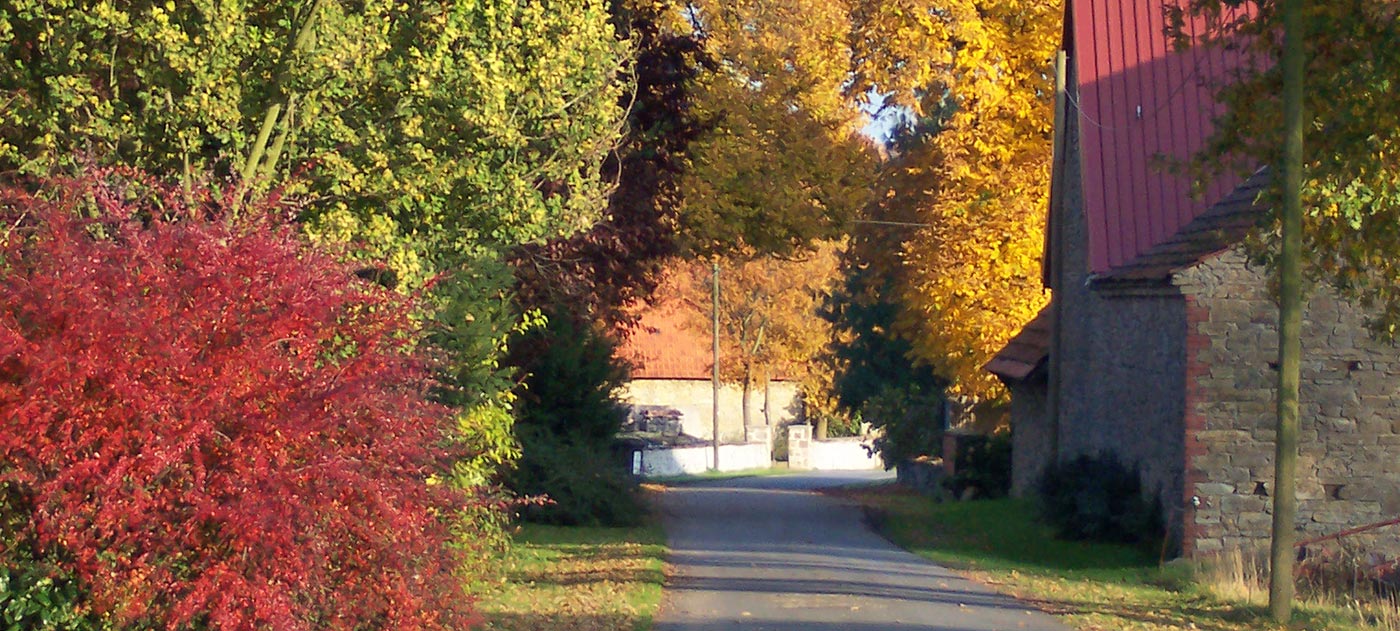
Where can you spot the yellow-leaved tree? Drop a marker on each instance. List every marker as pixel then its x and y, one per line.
pixel 768 316
pixel 978 75
pixel 783 164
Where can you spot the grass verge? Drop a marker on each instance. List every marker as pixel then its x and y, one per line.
pixel 1094 587
pixel 581 579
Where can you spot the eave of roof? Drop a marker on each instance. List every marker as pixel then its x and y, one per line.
pixel 1024 352
pixel 1223 225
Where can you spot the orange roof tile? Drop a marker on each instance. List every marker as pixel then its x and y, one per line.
pixel 669 344
pixel 666 346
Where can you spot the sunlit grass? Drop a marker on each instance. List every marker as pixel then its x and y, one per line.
pixel 1094 587
pixel 584 579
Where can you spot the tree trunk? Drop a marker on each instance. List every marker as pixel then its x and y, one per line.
pixel 1281 552
pixel 768 401
pixel 299 44
pixel 748 389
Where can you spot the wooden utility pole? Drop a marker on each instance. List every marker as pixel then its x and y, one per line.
pixel 1054 282
pixel 714 372
pixel 1290 318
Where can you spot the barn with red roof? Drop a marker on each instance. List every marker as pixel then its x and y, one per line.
pixel 1160 343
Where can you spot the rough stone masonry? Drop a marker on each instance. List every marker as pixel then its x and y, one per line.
pixel 1349 456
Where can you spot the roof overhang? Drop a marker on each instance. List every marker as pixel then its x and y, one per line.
pixel 1024 353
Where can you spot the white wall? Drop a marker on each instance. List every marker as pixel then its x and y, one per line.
pixel 693 398
pixel 656 463
pixel 842 454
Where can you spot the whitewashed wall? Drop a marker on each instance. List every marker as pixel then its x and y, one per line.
pixel 660 463
pixel 694 398
pixel 842 454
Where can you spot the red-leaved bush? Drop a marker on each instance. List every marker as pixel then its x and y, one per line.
pixel 212 423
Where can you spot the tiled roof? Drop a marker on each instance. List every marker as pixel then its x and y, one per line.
pixel 666 345
pixel 1020 357
pixel 669 343
pixel 1223 225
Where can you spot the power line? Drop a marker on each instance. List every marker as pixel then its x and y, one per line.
pixel 906 224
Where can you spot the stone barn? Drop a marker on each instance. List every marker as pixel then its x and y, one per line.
pixel 1160 342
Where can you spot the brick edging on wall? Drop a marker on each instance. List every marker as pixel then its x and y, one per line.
pixel 1194 420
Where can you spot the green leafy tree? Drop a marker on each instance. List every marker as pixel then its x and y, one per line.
pixel 617 263
pixel 433 136
pixel 876 374
pixel 568 422
pixel 1351 173
pixel 456 124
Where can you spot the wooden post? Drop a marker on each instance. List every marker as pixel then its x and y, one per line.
pixel 714 372
pixel 1055 256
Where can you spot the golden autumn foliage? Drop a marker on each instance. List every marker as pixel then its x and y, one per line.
pixel 768 313
pixel 980 182
pixel 783 165
pixel 794 50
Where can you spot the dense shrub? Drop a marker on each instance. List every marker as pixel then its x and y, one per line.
pixel 585 486
pixel 211 424
pixel 1098 498
pixel 911 420
pixel 567 423
pixel 983 467
pixel 37 596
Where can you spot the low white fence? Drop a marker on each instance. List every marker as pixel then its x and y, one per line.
pixel 661 463
pixel 842 454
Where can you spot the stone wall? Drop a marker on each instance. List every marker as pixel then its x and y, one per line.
pixel 677 461
pixel 799 446
pixel 843 454
pixel 1030 434
pixel 1122 364
pixel 693 399
pixel 1349 456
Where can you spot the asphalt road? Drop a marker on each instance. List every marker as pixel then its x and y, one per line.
pixel 768 554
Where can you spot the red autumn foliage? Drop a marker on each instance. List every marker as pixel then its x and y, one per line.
pixel 212 423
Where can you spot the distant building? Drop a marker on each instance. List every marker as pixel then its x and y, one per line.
pixel 1160 342
pixel 671 386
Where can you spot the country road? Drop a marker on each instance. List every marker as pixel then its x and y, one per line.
pixel 768 554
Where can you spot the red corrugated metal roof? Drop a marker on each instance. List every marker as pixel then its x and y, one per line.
pixel 1142 106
